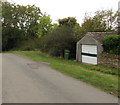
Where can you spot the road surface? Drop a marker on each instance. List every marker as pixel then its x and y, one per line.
pixel 26 81
pixel 0 78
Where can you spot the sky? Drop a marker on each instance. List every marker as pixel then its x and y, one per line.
pixel 58 9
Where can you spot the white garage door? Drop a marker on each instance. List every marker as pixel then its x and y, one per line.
pixel 89 54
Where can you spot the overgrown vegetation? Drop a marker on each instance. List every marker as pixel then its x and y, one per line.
pixel 112 44
pixel 22 23
pixel 27 28
pixel 102 77
pixel 63 37
pixel 58 40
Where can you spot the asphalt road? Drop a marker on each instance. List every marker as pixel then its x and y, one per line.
pixel 26 81
pixel 0 78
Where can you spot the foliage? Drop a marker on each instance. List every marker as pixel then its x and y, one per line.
pixel 27 45
pixel 11 37
pixel 105 20
pixel 44 26
pixel 62 37
pixel 27 28
pixel 112 44
pixel 18 23
pixel 70 21
pixel 59 40
pixel 78 32
pixel 94 25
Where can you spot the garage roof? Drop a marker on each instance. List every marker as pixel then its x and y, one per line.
pixel 98 36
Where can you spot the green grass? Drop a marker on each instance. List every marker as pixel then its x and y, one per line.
pixel 101 77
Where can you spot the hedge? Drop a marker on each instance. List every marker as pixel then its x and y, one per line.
pixel 111 44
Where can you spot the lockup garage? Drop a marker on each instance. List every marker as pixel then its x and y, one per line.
pixel 90 47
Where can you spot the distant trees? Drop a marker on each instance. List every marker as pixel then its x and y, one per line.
pixel 70 21
pixel 105 20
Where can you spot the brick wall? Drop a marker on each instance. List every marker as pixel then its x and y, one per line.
pixel 109 60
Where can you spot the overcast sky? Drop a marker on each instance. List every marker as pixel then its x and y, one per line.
pixel 59 9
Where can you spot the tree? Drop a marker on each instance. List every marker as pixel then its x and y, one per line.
pixel 70 21
pixel 62 37
pixel 0 27
pixel 29 18
pixel 110 18
pixel 78 32
pixel 103 21
pixel 54 25
pixel 8 26
pixel 44 26
pixel 19 23
pixel 94 24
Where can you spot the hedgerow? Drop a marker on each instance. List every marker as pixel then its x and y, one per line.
pixel 111 44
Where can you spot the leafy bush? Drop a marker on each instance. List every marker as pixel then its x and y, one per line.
pixel 111 44
pixel 60 39
pixel 27 45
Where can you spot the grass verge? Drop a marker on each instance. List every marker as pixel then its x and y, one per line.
pixel 101 77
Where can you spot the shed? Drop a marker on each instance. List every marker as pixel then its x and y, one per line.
pixel 90 47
